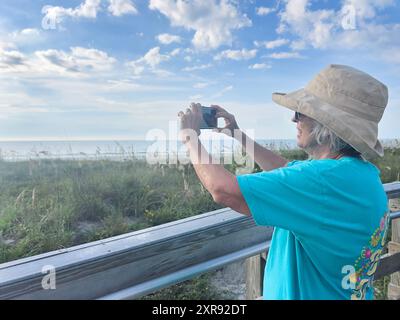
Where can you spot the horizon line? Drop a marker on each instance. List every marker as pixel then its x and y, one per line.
pixel 124 139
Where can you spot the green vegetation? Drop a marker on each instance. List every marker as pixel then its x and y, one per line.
pixel 51 204
pixel 389 165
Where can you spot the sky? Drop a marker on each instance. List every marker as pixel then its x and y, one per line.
pixel 116 69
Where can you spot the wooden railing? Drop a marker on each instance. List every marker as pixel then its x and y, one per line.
pixel 135 264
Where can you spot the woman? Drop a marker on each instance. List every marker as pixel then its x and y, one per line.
pixel 329 212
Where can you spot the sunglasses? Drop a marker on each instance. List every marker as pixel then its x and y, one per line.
pixel 298 116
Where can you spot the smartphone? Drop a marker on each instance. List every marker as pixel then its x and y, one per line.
pixel 209 120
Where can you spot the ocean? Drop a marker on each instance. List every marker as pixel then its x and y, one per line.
pixel 101 149
pixel 125 149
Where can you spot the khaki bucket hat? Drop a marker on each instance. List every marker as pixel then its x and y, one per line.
pixel 347 101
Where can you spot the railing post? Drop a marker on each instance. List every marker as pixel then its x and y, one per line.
pixel 255 276
pixel 393 248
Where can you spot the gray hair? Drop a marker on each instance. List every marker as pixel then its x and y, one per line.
pixel 321 135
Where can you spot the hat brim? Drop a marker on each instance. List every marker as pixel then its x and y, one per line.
pixel 342 123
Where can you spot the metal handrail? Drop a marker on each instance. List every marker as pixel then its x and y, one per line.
pixel 147 287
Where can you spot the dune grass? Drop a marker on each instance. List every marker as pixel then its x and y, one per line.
pixel 51 204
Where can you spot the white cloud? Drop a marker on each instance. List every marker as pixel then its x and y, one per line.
pixel 243 54
pixel 150 60
pixel 321 28
pixel 30 32
pixel 129 85
pixel 154 58
pixel 378 42
pixel 260 66
pixel 78 62
pixel 167 38
pixel 285 55
pixel 89 9
pixel 122 85
pixel 12 61
pixel 391 55
pixel 200 85
pixel 121 7
pixel 60 94
pixel 222 92
pixel 137 68
pixel 298 45
pixel 196 97
pixel 263 11
pixel 195 68
pixel 175 52
pixel 367 9
pixel 6 45
pixel 271 44
pixel 149 114
pixel 329 29
pixel 24 36
pixel 315 26
pixel 213 21
pixel 371 36
pixel 15 101
pixel 189 51
pixel 276 43
pixel 161 73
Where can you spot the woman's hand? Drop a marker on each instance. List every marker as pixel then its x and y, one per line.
pixel 230 121
pixel 190 122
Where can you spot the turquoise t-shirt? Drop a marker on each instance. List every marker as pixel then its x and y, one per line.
pixel 330 219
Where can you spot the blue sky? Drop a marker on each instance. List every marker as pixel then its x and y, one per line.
pixel 115 69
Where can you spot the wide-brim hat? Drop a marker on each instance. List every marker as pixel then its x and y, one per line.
pixel 347 101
